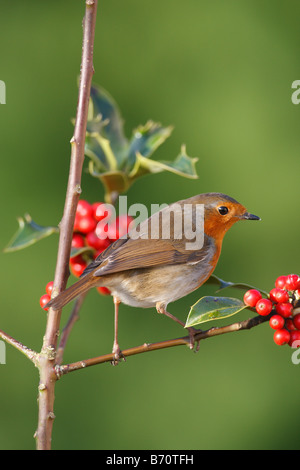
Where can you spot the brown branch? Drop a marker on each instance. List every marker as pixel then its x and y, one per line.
pixel 48 353
pixel 32 355
pixel 74 317
pixel 147 347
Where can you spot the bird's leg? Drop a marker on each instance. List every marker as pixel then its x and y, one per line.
pixel 116 348
pixel 160 307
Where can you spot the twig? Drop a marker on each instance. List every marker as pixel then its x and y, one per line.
pixel 32 355
pixel 48 352
pixel 74 316
pixel 147 347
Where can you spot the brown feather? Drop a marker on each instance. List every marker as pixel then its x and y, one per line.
pixel 138 253
pixel 73 291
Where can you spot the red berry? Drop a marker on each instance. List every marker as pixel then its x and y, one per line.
pixel 294 341
pixel 284 309
pixel 293 282
pixel 296 321
pixel 103 290
pixel 44 300
pixel 49 288
pixel 85 224
pixel 251 297
pixel 84 209
pixel 101 211
pixel 77 265
pixel 95 242
pixel 281 337
pixel 279 295
pixel 290 324
pixel 281 282
pixel 77 241
pixel 264 307
pixel 276 322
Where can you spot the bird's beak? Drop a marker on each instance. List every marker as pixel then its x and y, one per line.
pixel 248 216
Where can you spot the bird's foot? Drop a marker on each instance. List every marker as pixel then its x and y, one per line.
pixel 192 333
pixel 117 355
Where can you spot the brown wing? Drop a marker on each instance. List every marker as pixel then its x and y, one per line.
pixel 127 254
pixel 144 252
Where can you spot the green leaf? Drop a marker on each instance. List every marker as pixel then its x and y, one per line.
pixel 146 139
pixel 100 152
pixel 238 285
pixel 105 119
pixel 183 165
pixel 28 233
pixel 213 308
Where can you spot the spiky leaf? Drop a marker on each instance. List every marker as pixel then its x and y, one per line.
pixel 28 233
pixel 105 119
pixel 183 165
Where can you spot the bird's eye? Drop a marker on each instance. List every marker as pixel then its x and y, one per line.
pixel 223 210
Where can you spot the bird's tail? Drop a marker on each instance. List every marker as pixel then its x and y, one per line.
pixel 72 292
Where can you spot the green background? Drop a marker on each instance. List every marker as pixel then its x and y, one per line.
pixel 221 73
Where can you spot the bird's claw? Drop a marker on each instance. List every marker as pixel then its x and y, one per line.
pixel 117 355
pixel 192 334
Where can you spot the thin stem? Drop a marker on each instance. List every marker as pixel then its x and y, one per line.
pixel 48 352
pixel 147 347
pixel 32 355
pixel 74 317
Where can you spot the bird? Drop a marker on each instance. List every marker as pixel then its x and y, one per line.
pixel 156 263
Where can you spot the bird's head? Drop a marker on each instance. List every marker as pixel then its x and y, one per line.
pixel 221 212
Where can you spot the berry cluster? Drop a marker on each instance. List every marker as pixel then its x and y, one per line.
pixel 286 320
pixel 94 228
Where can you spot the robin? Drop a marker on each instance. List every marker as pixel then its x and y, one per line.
pixel 146 268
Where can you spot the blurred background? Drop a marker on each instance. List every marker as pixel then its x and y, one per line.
pixel 221 74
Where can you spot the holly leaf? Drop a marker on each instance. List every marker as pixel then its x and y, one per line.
pixel 116 161
pixel 213 308
pixel 99 150
pixel 238 285
pixel 183 165
pixel 104 118
pixel 28 233
pixel 146 139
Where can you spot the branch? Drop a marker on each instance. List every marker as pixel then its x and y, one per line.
pixel 147 347
pixel 32 355
pixel 48 352
pixel 74 316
